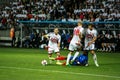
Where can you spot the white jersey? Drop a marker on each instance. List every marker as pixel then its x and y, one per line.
pixel 90 34
pixel 76 32
pixel 53 40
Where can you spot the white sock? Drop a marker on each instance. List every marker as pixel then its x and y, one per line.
pixel 68 59
pixel 95 60
pixel 75 55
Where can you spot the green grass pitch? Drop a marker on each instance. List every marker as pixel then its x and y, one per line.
pixel 25 64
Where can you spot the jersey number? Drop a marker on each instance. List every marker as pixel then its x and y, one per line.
pixel 76 32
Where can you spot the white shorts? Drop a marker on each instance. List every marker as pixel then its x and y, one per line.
pixel 53 49
pixel 73 46
pixel 91 47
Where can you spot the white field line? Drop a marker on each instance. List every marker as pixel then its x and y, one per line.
pixel 54 71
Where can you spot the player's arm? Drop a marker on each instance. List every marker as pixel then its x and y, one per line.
pixel 59 42
pixel 80 35
pixel 59 45
pixel 47 36
pixel 79 42
pixel 94 39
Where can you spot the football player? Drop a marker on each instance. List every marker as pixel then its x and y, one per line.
pixel 54 44
pixel 75 43
pixel 89 43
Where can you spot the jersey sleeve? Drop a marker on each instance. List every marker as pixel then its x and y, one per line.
pixel 82 31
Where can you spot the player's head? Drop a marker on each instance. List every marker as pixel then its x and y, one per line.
pixel 90 26
pixel 79 23
pixel 56 30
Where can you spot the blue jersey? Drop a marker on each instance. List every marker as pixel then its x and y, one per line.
pixel 80 60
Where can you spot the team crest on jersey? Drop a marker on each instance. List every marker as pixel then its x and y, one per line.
pixel 89 35
pixel 54 39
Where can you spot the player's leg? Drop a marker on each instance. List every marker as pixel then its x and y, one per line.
pixel 95 58
pixel 92 48
pixel 58 61
pixel 50 56
pixel 50 51
pixel 57 51
pixel 68 57
pixel 75 55
pixel 85 53
pixel 71 48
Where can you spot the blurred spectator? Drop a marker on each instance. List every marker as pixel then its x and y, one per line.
pixel 12 36
pixel 63 19
pixel 42 40
pixel 90 10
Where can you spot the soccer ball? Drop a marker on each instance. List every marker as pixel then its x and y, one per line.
pixel 44 62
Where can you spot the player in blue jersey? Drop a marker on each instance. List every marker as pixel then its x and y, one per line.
pixel 80 60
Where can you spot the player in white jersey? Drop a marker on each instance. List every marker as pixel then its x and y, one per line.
pixel 90 38
pixel 75 43
pixel 54 44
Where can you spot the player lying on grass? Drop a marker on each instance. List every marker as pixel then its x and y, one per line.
pixel 80 60
pixel 90 38
pixel 75 43
pixel 54 44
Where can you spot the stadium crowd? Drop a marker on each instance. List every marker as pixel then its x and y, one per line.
pixel 64 10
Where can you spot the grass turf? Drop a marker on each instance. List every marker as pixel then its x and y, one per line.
pixel 25 64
